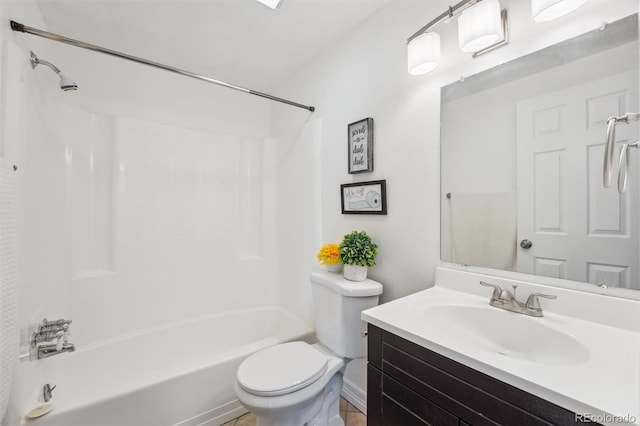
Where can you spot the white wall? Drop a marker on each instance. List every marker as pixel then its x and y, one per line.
pixel 365 76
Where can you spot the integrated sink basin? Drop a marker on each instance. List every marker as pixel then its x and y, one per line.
pixel 506 333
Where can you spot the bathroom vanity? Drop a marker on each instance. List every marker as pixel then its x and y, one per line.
pixel 443 356
pixel 411 385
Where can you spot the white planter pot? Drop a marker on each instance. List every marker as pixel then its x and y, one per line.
pixel 336 267
pixel 355 272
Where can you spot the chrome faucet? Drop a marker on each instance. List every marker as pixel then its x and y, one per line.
pixel 505 299
pixel 49 331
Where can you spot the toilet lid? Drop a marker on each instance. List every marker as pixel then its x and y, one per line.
pixel 281 369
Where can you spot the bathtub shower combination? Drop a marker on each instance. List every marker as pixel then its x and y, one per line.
pixel 180 374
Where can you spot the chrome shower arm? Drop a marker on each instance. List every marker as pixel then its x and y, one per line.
pixel 35 61
pixel 65 82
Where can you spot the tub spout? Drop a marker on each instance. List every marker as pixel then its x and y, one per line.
pixel 46 351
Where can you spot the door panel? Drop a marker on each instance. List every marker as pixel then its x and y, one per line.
pixel 578 228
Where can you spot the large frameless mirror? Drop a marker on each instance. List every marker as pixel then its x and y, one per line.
pixel 522 149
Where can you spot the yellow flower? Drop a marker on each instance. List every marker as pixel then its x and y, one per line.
pixel 329 254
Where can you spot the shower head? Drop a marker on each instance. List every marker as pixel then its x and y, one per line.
pixel 65 82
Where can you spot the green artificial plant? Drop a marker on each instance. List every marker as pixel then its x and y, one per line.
pixel 358 249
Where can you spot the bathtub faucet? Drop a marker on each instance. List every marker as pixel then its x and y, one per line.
pixel 49 331
pixel 45 351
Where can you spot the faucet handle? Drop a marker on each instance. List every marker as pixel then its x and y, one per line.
pixel 533 301
pixel 53 326
pixel 497 291
pixel 65 333
pixel 59 340
pixel 59 322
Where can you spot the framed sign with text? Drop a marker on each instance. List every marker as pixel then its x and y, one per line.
pixel 360 146
pixel 364 197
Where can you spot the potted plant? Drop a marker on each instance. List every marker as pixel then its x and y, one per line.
pixel 357 253
pixel 329 256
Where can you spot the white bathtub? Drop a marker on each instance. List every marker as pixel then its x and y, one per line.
pixel 181 374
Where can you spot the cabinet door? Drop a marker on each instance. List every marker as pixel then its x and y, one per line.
pixel 374 396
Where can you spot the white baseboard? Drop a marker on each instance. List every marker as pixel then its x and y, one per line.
pixel 216 416
pixel 355 395
pixel 220 415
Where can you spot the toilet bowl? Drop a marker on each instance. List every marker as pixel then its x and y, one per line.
pixel 312 399
pixel 295 383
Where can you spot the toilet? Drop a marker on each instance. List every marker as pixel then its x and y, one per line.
pixel 295 383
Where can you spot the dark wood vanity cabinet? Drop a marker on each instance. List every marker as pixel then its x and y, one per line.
pixel 410 385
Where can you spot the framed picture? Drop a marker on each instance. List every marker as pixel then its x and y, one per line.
pixel 364 197
pixel 360 146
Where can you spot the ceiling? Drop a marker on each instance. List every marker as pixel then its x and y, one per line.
pixel 238 41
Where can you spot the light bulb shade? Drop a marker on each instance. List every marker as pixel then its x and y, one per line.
pixel 424 53
pixel 548 10
pixel 480 26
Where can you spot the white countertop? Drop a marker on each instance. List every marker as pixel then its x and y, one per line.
pixel 606 384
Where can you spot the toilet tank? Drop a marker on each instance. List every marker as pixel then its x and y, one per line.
pixel 338 304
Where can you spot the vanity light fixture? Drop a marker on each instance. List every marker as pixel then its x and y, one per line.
pixel 548 10
pixel 482 27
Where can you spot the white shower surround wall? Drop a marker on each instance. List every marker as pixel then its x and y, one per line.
pixel 179 374
pixel 165 224
pixel 153 204
pixel 165 217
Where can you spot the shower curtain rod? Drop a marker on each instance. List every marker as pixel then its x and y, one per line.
pixel 16 26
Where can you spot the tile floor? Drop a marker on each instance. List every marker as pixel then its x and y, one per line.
pixel 349 413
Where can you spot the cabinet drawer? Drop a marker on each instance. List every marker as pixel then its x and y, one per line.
pixel 452 393
pixel 403 407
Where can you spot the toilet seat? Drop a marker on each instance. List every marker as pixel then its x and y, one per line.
pixel 281 369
